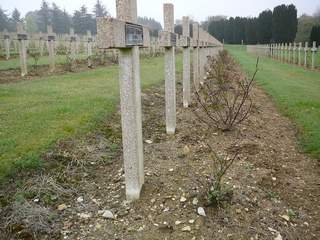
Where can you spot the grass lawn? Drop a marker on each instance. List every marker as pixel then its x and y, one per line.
pixel 295 90
pixel 35 114
pixel 14 63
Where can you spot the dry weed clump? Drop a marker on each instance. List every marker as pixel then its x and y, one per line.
pixel 28 219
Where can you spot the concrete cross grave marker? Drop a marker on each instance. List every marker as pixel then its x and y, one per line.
pixel 313 50
pixel 125 34
pixel 89 48
pixel 73 40
pixel 41 43
pixel 51 38
pixel 185 43
pixel 195 42
pixel 22 39
pixel 306 49
pixel 299 53
pixel 282 52
pixel 7 43
pixel 201 55
pixel 294 53
pixel 289 52
pixel 168 40
pixel 286 52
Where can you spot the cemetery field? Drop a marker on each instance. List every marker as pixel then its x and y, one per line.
pixel 271 180
pixel 37 113
pixel 295 91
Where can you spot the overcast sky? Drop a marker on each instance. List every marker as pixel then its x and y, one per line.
pixel 198 9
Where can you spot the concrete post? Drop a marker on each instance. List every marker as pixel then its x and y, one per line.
pixel 299 54
pixel 73 40
pixel 130 92
pixel 313 50
pixel 89 48
pixel 294 53
pixel 51 42
pixel 286 52
pixel 186 62
pixel 201 56
pixel 170 75
pixel 22 38
pixel 7 44
pixel 289 52
pixel 306 49
pixel 41 43
pixel 196 79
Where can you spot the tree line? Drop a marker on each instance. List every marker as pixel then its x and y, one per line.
pixel 279 25
pixel 81 20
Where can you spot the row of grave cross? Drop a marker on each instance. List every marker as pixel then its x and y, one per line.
pixel 50 38
pixel 291 53
pixel 125 34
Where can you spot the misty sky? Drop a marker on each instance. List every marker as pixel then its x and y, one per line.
pixel 198 9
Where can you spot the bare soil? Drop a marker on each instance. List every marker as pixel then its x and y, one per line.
pixel 14 75
pixel 275 186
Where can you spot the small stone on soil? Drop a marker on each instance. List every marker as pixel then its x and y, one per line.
pixel 85 215
pixel 195 201
pixel 286 217
pixel 62 207
pixel 80 199
pixel 108 214
pixel 183 199
pixel 279 237
pixel 201 212
pixel 186 229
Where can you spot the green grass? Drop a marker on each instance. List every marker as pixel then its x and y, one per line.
pixel 14 63
pixel 35 114
pixel 295 91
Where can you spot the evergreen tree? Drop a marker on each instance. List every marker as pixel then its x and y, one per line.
pixel 4 21
pixel 264 30
pixel 284 23
pixel 100 10
pixel 60 20
pixel 44 18
pixel 315 35
pixel 83 21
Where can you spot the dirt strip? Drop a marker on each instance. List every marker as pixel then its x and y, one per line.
pixel 276 188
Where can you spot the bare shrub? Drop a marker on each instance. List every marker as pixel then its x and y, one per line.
pixel 225 96
pixel 224 101
pixel 35 55
pixel 217 193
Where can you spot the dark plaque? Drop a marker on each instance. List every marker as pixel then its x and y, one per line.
pixel 173 39
pixel 41 38
pixel 134 35
pixel 72 39
pixel 90 40
pixel 51 38
pixel 22 36
pixel 6 37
